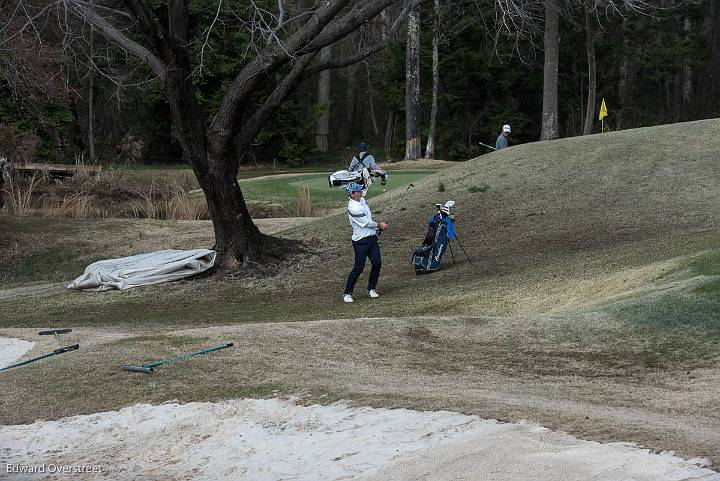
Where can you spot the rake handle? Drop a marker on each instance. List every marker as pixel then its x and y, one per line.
pixel 59 350
pixel 185 356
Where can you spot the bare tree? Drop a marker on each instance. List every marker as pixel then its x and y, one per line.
pixel 687 75
pixel 285 43
pixel 323 122
pixel 430 149
pixel 549 128
pixel 412 86
pixel 592 76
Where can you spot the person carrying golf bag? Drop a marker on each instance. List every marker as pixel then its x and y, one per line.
pixel 364 240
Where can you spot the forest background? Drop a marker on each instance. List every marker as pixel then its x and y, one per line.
pixel 658 66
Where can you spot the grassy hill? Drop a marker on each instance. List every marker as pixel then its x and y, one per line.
pixel 592 307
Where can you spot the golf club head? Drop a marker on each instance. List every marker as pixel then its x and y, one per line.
pixel 147 370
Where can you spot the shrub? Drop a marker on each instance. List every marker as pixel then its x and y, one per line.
pixel 478 188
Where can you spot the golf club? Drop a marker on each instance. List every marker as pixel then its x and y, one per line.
pixel 486 145
pixel 397 205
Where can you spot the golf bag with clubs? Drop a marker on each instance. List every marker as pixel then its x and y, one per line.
pixel 441 229
pixel 363 177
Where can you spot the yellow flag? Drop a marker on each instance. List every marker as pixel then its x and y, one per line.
pixel 603 110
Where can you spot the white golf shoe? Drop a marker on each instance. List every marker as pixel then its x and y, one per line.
pixel 347 298
pixel 373 294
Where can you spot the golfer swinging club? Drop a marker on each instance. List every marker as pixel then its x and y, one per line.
pixel 364 240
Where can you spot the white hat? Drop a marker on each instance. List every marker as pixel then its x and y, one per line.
pixel 506 128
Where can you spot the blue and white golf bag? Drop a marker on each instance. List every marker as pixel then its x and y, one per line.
pixel 441 229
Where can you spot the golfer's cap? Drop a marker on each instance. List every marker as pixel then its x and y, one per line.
pixel 506 128
pixel 363 147
pixel 353 187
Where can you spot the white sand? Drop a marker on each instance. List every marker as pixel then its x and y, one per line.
pixel 11 350
pixel 275 439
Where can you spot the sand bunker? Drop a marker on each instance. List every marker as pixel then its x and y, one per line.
pixel 12 349
pixel 278 440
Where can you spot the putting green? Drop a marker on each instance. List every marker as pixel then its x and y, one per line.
pixel 283 189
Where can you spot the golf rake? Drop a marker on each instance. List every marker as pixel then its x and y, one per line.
pixel 148 368
pixel 55 352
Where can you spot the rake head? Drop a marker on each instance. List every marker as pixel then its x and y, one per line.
pixel 145 369
pixel 50 332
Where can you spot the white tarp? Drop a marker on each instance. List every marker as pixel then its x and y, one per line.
pixel 144 269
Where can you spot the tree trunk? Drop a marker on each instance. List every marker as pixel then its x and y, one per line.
pixel 351 102
pixel 549 128
pixel 91 118
pixel 237 239
pixel 390 133
pixel 430 148
pixel 592 77
pixel 412 86
pixel 371 104
pixel 323 123
pixel 687 78
pixel 91 98
pixel 668 80
pixel 623 80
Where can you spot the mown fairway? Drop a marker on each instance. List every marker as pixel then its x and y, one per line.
pixel 283 189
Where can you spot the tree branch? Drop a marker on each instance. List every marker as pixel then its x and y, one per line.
pixel 114 35
pixel 267 61
pixel 253 125
pixel 148 20
pixel 354 19
pixel 365 52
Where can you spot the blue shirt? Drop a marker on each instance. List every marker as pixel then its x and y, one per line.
pixel 501 142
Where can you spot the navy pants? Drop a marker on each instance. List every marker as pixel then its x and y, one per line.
pixel 365 247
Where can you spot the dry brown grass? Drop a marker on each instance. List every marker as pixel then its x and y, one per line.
pixel 304 203
pixel 91 194
pixel 183 207
pixel 19 194
pixel 79 205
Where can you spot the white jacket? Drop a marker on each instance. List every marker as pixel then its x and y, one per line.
pixel 361 219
